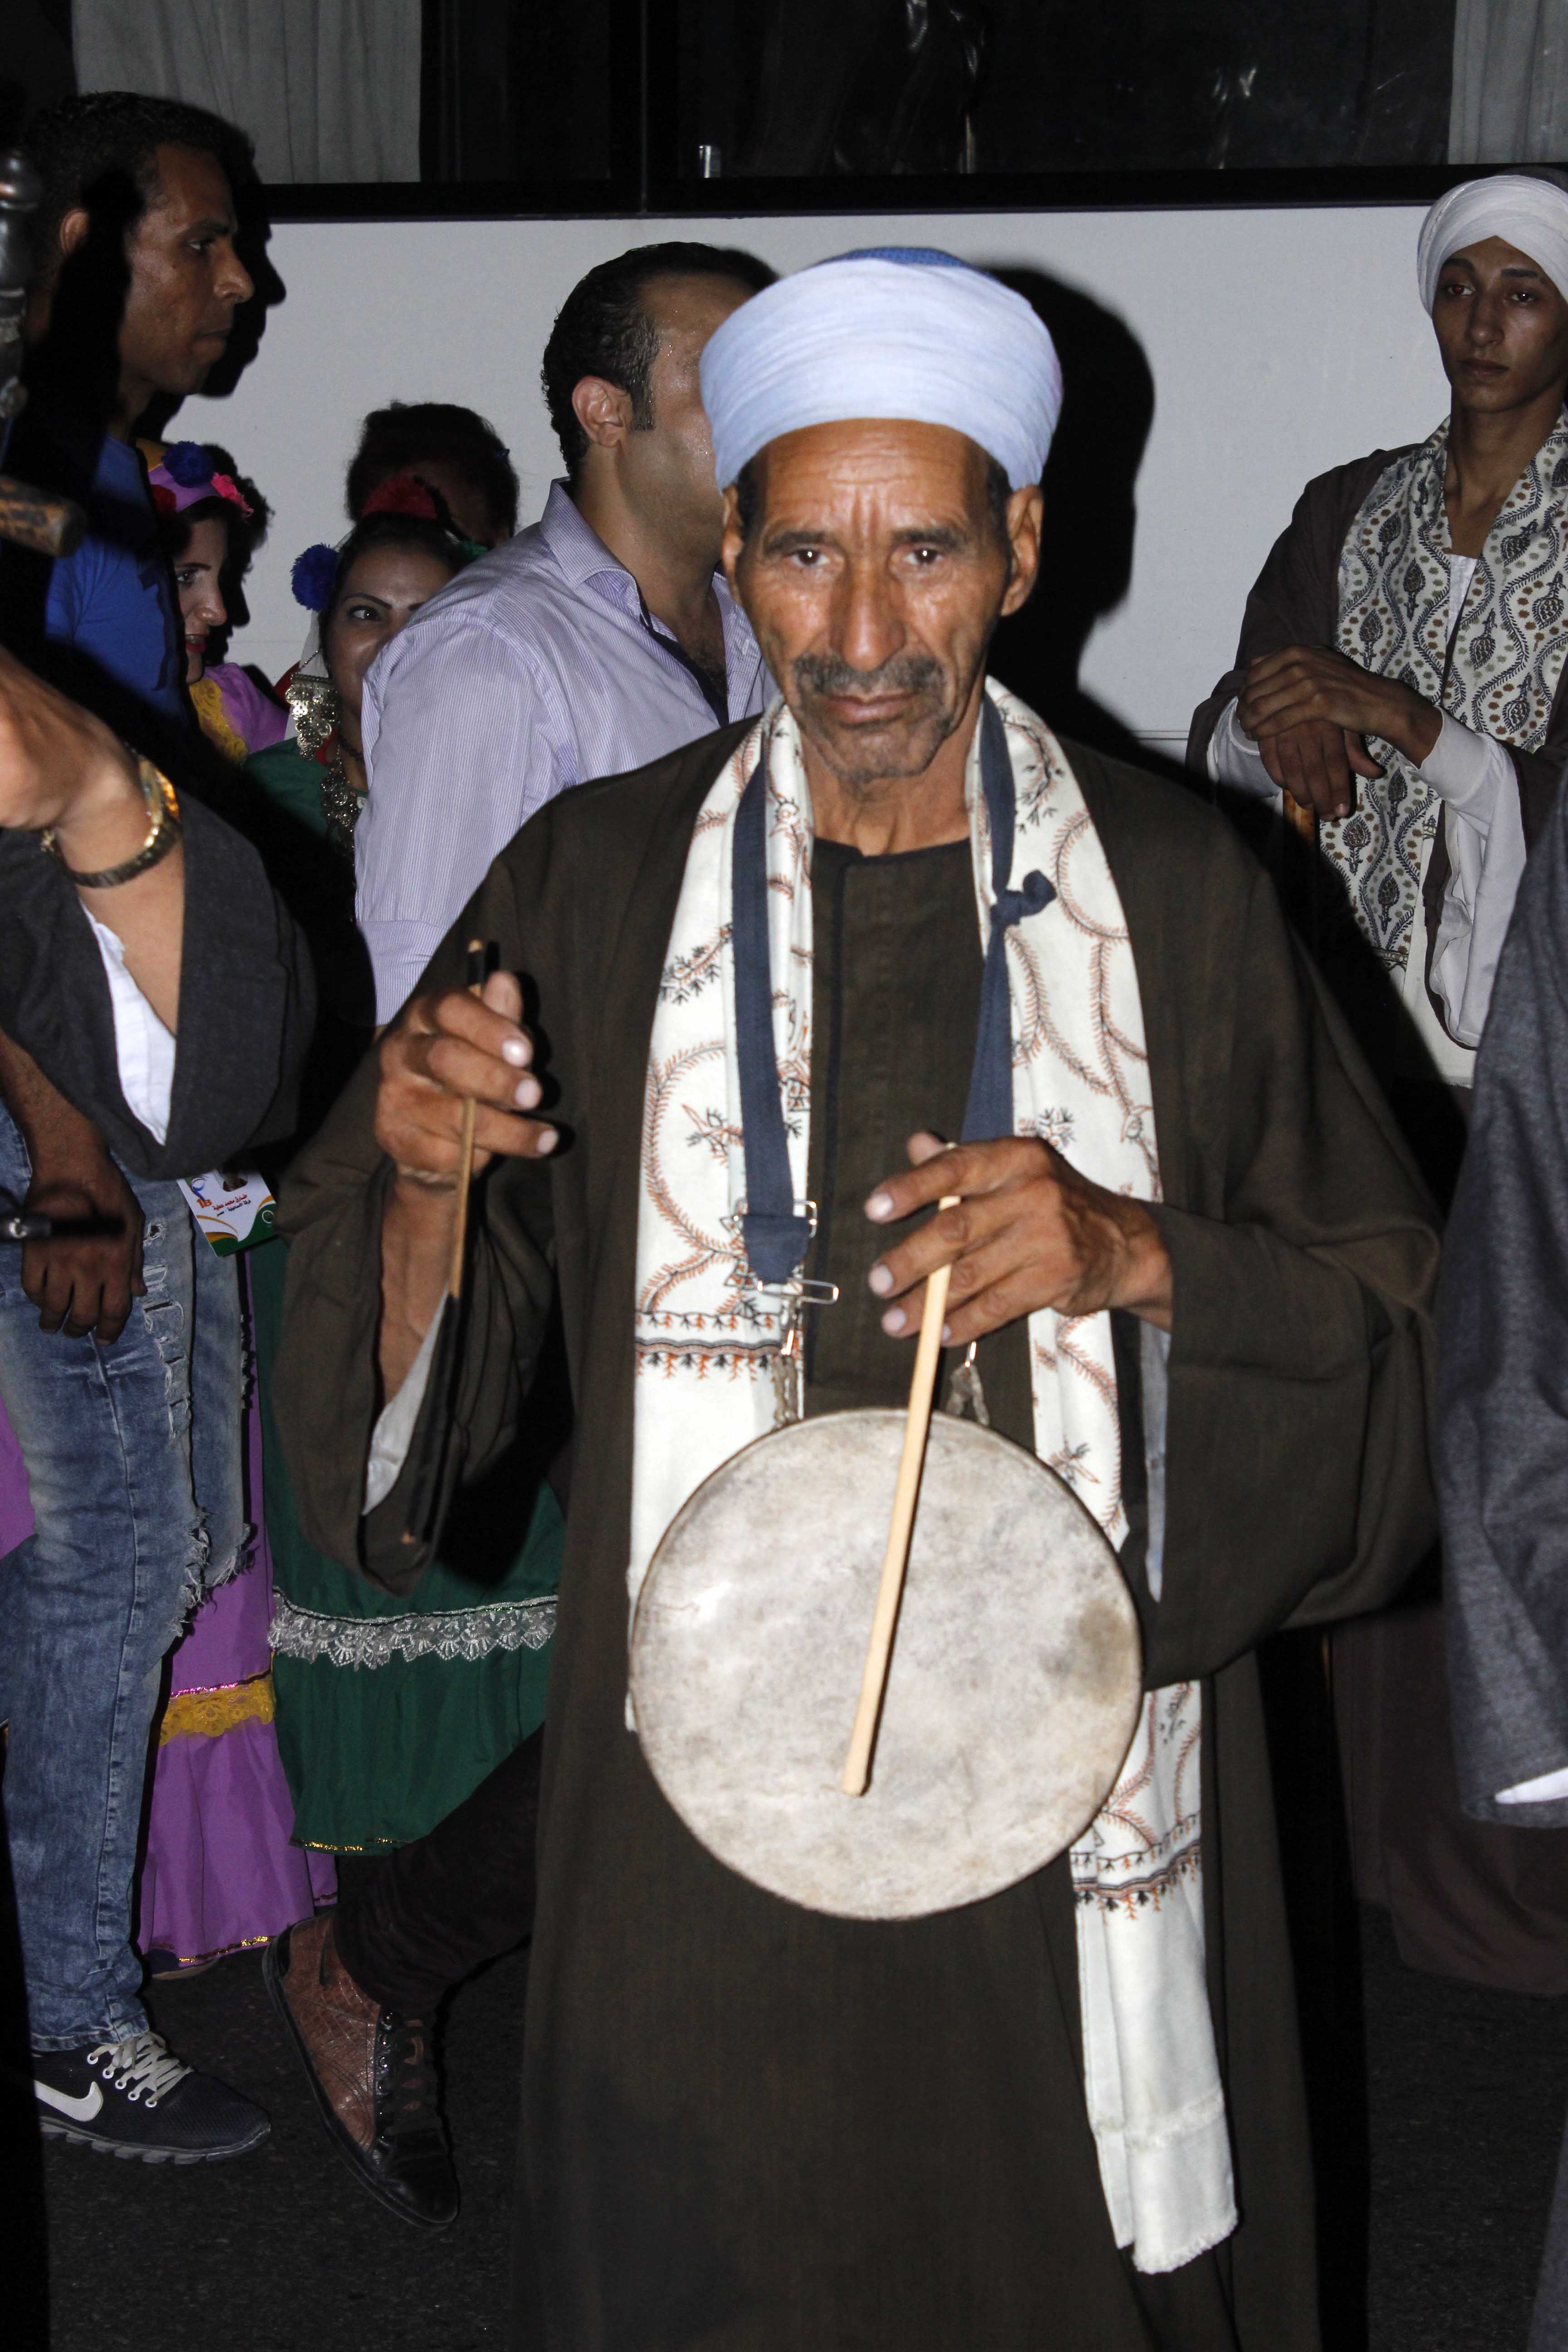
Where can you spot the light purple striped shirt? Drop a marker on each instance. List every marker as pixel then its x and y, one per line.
pixel 537 668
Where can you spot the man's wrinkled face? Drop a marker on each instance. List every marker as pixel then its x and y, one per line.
pixel 874 573
pixel 187 279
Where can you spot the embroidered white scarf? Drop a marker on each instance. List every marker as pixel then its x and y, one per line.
pixel 1499 680
pixel 704 1387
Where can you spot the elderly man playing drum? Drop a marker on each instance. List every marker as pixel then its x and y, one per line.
pixel 892 945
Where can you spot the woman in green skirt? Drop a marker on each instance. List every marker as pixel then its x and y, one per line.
pixel 389 1712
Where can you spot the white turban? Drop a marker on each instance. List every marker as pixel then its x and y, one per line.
pixel 1524 212
pixel 896 332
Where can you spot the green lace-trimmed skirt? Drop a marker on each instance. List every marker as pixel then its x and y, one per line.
pixel 389 1711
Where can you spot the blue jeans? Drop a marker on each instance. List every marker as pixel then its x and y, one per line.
pixel 133 1462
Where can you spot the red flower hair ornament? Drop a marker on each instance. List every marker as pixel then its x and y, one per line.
pixel 402 494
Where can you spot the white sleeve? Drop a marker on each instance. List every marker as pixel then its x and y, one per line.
pixel 143 1048
pixel 393 1432
pixel 458 757
pixel 1235 758
pixel 1539 1792
pixel 1484 829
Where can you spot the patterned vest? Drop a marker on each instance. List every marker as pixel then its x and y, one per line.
pixel 1498 676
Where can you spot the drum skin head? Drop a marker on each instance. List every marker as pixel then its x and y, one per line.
pixel 1012 1698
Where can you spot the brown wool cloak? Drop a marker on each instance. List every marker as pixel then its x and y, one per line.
pixel 748 2127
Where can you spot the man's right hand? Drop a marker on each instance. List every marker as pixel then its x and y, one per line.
pixel 444 1050
pixel 85 1283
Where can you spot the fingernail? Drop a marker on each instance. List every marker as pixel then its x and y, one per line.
pixel 526 1093
pixel 946 1333
pixel 893 1322
pixel 548 1139
pixel 880 1204
pixel 517 1051
pixel 880 1280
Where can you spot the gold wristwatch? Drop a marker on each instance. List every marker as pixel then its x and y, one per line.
pixel 162 833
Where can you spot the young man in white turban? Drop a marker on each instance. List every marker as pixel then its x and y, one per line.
pixel 1401 665
pixel 1033 2119
pixel 1403 672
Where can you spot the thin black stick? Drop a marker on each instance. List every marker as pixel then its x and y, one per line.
pixel 430 1462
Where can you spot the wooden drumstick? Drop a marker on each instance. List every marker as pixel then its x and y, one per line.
pixel 1300 868
pixel 895 1560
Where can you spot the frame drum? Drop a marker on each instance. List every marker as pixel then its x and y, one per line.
pixel 1014 1692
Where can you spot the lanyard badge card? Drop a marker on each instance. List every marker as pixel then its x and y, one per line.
pixel 233 1209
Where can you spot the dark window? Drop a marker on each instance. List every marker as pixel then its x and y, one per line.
pixel 516 93
pixel 649 106
pixel 876 88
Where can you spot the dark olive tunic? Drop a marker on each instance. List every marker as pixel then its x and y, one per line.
pixel 747 2126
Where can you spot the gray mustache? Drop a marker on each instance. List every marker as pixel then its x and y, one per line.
pixel 902 673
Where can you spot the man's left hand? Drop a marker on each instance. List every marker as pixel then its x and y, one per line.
pixel 1028 1232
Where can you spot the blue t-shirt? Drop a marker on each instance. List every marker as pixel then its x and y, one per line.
pixel 113 600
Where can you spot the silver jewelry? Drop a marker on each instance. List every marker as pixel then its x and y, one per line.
pixel 965 1396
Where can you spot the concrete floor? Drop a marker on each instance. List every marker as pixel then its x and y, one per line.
pixel 1467 2092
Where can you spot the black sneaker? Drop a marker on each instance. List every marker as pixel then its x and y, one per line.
pixel 132 2098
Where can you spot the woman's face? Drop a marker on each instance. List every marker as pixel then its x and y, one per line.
pixel 198 576
pixel 1502 327
pixel 379 596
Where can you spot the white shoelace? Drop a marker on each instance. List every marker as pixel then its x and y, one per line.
pixel 141 2066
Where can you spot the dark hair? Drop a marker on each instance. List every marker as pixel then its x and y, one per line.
pixel 396 531
pixel 604 328
pixel 101 148
pixel 749 497
pixel 393 440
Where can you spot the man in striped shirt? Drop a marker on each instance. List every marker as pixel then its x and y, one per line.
pixel 598 640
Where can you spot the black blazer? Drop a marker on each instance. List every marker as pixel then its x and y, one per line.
pixel 246 1001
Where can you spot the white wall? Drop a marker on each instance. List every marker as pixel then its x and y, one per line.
pixel 1280 342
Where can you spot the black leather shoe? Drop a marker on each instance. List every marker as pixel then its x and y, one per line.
pixel 371 2074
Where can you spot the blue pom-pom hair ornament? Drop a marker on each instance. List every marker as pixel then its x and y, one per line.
pixel 314 577
pixel 187 463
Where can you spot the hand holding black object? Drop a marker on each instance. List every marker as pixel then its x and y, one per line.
pixel 85 1276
